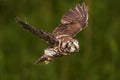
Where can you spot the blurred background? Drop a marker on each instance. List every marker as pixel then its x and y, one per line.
pixel 99 55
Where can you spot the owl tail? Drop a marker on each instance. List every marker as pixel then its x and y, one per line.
pixel 47 59
pixel 48 56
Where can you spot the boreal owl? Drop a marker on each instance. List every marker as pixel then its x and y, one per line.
pixel 61 42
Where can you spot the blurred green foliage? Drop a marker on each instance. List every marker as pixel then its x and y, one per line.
pixel 99 56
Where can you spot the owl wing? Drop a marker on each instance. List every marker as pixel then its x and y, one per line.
pixel 39 33
pixel 73 21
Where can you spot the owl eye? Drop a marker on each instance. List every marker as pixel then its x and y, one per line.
pixel 73 46
pixel 68 45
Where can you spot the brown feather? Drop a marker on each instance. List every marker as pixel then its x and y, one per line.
pixel 39 33
pixel 73 21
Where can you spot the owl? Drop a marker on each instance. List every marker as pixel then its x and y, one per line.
pixel 61 41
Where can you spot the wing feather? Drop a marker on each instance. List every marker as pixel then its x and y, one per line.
pixel 39 33
pixel 73 21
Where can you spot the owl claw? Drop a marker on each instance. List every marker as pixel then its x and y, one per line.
pixel 45 59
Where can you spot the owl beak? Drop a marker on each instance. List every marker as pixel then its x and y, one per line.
pixel 77 50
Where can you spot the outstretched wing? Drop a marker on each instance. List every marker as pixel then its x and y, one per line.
pixel 73 21
pixel 39 33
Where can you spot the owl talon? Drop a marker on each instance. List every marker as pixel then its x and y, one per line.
pixel 45 59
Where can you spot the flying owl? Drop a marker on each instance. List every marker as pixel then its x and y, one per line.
pixel 61 42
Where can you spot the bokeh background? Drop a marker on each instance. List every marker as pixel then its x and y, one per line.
pixel 99 56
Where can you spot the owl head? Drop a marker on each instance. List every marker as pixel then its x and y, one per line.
pixel 70 46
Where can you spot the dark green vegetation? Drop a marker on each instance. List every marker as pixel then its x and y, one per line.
pixel 99 56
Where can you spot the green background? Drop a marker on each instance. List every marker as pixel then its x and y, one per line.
pixel 99 55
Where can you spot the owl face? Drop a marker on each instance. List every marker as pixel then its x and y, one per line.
pixel 70 46
pixel 73 46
